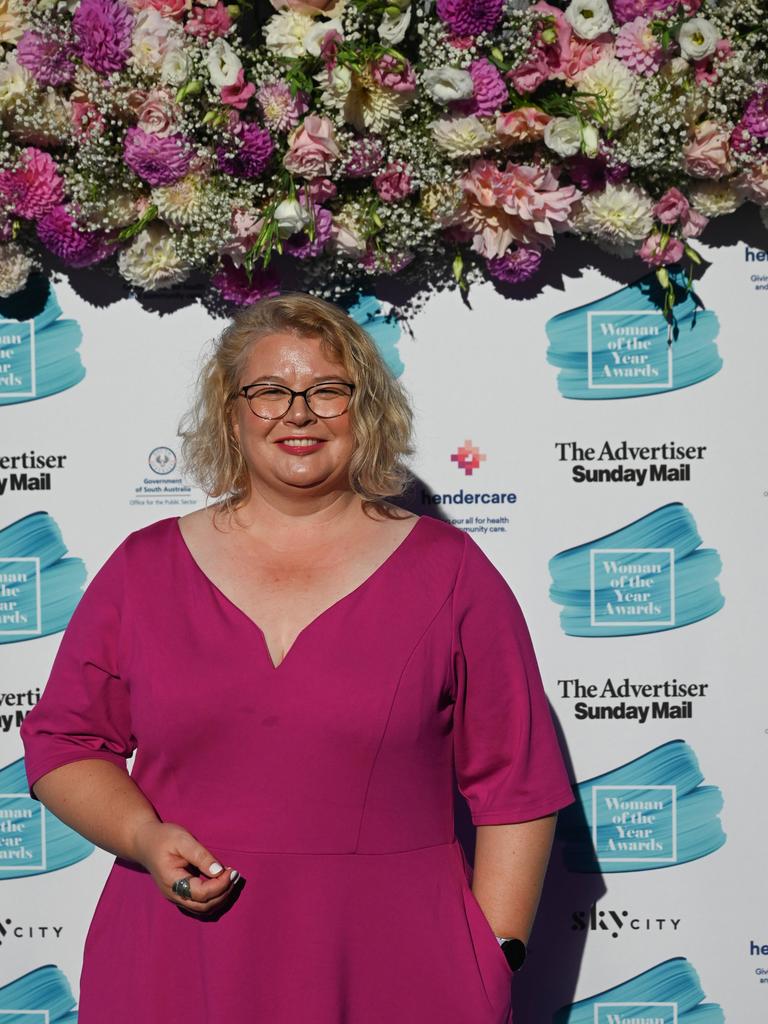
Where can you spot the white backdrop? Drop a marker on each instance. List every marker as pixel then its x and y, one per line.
pixel 673 929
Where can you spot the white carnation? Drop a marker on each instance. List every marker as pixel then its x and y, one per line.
pixel 15 266
pixel 461 136
pixel 698 38
pixel 619 214
pixel 445 85
pixel 151 260
pixel 615 84
pixel 284 33
pixel 392 28
pixel 223 63
pixel 589 18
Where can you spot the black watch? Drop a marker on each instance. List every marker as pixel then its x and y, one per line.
pixel 514 950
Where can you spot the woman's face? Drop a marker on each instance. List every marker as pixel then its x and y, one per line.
pixel 298 363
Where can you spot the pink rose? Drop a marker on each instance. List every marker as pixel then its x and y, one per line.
pixel 672 206
pixel 708 155
pixel 207 22
pixel 393 182
pixel 659 253
pixel 529 76
pixel 158 114
pixel 582 54
pixel 312 148
pixel 389 73
pixel 167 8
pixel 238 94
pixel 526 124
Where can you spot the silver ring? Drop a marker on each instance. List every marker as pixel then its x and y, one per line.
pixel 181 887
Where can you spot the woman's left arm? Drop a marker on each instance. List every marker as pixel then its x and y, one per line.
pixel 509 869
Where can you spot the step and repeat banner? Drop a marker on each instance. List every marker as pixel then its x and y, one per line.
pixel 618 481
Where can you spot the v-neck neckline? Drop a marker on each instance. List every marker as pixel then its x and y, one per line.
pixel 320 615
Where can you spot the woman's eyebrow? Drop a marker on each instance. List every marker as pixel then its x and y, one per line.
pixel 316 380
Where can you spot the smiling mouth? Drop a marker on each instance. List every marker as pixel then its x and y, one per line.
pixel 300 442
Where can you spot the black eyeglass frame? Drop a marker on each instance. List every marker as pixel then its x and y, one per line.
pixel 296 394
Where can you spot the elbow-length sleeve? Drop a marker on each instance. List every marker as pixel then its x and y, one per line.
pixel 84 711
pixel 508 762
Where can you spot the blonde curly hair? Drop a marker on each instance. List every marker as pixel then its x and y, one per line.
pixel 380 415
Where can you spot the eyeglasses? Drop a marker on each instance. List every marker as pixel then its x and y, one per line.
pixel 272 401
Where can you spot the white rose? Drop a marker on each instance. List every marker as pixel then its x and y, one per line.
pixel 698 38
pixel 392 29
pixel 313 40
pixel 589 18
pixel 291 217
pixel 590 140
pixel 284 33
pixel 175 67
pixel 447 84
pixel 223 63
pixel 563 135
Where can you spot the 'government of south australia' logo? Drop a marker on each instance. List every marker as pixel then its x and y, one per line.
pixel 162 460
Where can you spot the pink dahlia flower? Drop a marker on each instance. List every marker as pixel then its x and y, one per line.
pixel 34 187
pixel 60 234
pixel 102 30
pixel 518 204
pixel 638 47
pixel 157 159
pixel 469 17
pixel 233 284
pixel 280 110
pixel 48 60
pixel 490 90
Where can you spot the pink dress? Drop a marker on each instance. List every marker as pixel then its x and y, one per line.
pixel 327 782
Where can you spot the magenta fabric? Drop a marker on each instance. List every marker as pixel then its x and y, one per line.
pixel 327 782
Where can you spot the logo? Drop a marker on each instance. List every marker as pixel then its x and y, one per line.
pixel 615 921
pixel 162 460
pixel 468 457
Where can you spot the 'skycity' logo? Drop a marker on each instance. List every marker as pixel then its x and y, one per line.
pixel 468 457
pixel 614 922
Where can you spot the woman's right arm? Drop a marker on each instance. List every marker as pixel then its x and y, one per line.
pixel 101 801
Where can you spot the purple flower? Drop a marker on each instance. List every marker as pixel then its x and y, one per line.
pixel 366 155
pixel 235 287
pixel 755 116
pixel 516 265
pixel 48 60
pixel 157 159
pixel 254 153
pixel 490 93
pixel 468 17
pixel 301 247
pixel 587 173
pixel 59 233
pixel 103 31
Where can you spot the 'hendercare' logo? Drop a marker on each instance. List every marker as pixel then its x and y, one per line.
pixel 468 457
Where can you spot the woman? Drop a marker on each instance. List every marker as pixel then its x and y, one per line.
pixel 300 668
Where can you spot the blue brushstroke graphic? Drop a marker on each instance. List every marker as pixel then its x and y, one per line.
pixel 616 347
pixel 650 813
pixel 383 328
pixel 39 357
pixel 33 841
pixel 669 992
pixel 648 576
pixel 39 586
pixel 42 996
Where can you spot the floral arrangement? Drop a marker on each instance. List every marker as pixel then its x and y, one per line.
pixel 333 142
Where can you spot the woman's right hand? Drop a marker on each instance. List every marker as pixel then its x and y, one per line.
pixel 167 850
